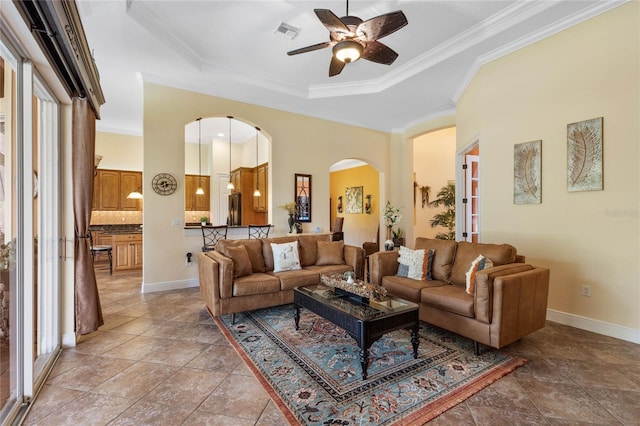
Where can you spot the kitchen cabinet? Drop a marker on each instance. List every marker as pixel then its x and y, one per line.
pixel 260 180
pixel 129 182
pixel 111 188
pixel 193 201
pixel 127 252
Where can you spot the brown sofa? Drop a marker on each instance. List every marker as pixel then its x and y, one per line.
pixel 509 302
pixel 228 285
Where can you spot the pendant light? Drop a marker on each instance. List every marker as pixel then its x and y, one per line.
pixel 199 189
pixel 256 193
pixel 230 184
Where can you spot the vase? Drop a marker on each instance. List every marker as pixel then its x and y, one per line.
pixel 388 245
pixel 292 221
pixel 389 232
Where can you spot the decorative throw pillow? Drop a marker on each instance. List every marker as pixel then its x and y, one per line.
pixel 403 271
pixel 241 261
pixel 330 253
pixel 415 260
pixel 285 257
pixel 479 263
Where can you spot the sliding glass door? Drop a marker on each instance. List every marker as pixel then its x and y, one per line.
pixel 29 231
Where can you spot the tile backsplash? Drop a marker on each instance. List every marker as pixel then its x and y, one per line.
pixel 99 217
pixel 194 216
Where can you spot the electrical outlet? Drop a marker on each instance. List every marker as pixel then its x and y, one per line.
pixel 586 290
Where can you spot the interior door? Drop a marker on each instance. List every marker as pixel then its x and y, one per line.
pixel 471 198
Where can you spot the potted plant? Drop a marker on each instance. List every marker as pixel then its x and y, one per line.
pixel 398 237
pixel 203 220
pixel 391 217
pixel 447 218
pixel 292 209
pixel 349 276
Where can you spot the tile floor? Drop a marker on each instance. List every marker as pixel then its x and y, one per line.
pixel 160 360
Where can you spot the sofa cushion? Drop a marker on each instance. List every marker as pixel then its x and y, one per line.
pixel 450 298
pixel 285 256
pixel 241 261
pixel 479 263
pixel 330 253
pixel 500 254
pixel 254 249
pixel 408 288
pixel 268 253
pixel 329 269
pixel 298 278
pixel 308 245
pixel 444 252
pixel 255 284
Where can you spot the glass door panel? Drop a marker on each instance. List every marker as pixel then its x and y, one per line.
pixel 9 309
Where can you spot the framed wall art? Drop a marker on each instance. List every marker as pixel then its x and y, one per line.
pixel 527 178
pixel 353 199
pixel 303 197
pixel 584 155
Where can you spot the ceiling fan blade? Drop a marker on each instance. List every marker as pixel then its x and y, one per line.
pixel 335 67
pixel 375 51
pixel 310 48
pixel 331 21
pixel 382 26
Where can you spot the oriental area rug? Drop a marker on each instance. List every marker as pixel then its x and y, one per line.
pixel 314 375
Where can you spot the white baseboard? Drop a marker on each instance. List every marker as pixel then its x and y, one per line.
pixel 596 326
pixel 69 340
pixel 170 285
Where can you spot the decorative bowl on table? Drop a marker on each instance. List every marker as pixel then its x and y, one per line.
pixel 359 288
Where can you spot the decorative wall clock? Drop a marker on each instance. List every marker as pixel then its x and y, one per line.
pixel 164 184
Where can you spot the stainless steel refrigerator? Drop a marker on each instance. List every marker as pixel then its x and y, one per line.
pixel 235 209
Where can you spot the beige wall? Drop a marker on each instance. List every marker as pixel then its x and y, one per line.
pixel 434 164
pixel 119 152
pixel 586 238
pixel 299 144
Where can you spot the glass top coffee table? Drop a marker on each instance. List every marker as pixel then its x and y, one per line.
pixel 364 320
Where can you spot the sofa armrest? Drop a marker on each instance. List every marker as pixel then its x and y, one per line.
pixel 520 305
pixel 382 264
pixel 354 257
pixel 484 293
pixel 225 274
pixel 208 277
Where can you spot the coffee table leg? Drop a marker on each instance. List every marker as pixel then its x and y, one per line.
pixel 364 362
pixel 296 316
pixel 415 340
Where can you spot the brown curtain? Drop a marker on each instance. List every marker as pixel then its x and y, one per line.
pixel 87 299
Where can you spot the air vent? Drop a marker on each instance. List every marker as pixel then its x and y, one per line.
pixel 287 30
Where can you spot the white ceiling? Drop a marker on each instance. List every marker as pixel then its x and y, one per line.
pixel 231 49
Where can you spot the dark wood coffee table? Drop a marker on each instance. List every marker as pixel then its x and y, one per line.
pixel 365 321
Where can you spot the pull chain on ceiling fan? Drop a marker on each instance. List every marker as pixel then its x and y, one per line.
pixel 351 38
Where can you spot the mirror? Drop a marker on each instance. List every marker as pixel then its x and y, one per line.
pixel 303 197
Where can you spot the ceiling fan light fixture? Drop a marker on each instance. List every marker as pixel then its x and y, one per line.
pixel 348 51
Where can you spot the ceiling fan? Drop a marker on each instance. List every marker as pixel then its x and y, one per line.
pixel 352 38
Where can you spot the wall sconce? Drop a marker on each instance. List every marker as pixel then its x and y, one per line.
pixel 340 204
pixel 367 204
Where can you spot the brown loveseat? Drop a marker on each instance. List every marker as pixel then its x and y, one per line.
pixel 509 301
pixel 232 281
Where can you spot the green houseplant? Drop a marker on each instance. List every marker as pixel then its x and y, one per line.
pixel 203 220
pixel 447 218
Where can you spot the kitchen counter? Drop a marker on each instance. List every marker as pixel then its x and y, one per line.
pixel 117 229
